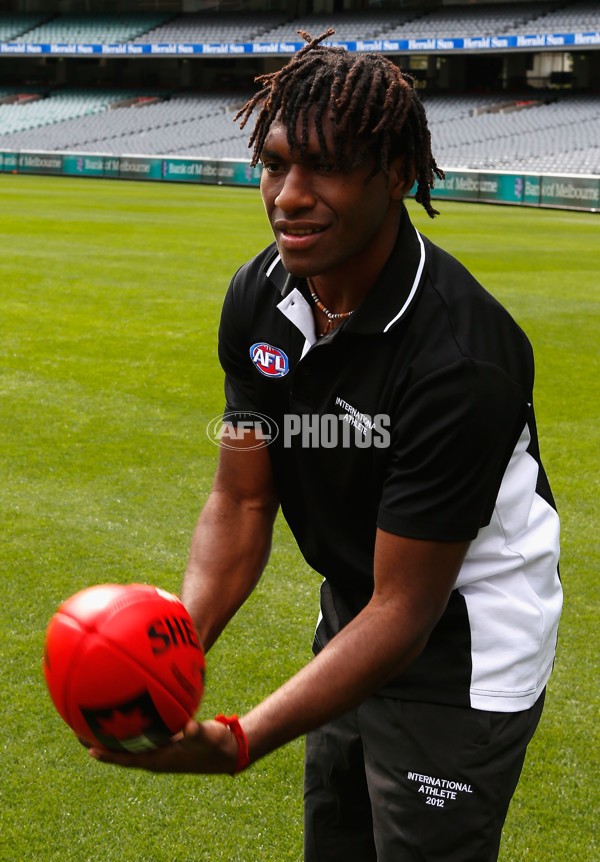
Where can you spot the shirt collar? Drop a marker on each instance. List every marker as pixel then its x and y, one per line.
pixel 397 286
pixel 393 293
pixel 275 272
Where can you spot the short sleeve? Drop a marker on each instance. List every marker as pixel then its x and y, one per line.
pixel 233 356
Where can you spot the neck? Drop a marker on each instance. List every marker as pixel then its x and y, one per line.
pixel 333 319
pixel 344 288
pixel 343 295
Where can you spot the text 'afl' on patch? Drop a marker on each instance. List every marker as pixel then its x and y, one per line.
pixel 270 361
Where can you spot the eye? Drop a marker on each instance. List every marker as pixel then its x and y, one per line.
pixel 271 167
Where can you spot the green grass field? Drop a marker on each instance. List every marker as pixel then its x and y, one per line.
pixel 110 296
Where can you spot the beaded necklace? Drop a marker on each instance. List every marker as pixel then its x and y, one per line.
pixel 331 316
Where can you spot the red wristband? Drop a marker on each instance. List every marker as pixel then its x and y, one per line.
pixel 232 724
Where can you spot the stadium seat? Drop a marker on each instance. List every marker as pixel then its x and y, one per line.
pixel 468 131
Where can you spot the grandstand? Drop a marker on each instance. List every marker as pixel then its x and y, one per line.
pixel 13 26
pixel 348 26
pixel 183 124
pixel 206 27
pixel 82 29
pixel 415 21
pixel 468 131
pixel 549 137
pixel 45 113
pixel 482 114
pixel 568 18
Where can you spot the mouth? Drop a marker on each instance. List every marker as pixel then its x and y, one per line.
pixel 297 237
pixel 306 232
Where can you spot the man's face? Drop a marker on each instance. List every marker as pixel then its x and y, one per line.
pixel 326 223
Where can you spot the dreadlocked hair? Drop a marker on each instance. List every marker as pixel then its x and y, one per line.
pixel 372 104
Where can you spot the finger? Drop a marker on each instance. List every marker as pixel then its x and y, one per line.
pixel 175 756
pixel 203 748
pixel 107 756
pixel 159 760
pixel 192 728
pixel 142 760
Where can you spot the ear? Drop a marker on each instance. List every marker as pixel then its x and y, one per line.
pixel 399 184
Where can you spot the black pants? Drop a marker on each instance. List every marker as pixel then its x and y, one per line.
pixel 395 781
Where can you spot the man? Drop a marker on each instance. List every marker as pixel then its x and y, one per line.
pixel 406 464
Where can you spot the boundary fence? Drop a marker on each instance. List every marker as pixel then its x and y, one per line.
pixel 562 191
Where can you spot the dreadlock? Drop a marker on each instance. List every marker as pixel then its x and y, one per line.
pixel 372 104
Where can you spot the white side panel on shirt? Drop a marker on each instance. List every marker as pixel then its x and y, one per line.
pixel 512 591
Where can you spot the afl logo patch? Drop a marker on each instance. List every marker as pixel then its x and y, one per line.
pixel 270 361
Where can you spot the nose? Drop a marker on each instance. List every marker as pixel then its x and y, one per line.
pixel 295 192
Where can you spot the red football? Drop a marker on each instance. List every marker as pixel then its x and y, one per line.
pixel 124 666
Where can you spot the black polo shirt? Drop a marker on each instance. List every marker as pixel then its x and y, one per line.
pixel 406 417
